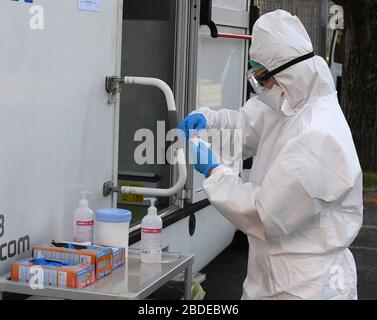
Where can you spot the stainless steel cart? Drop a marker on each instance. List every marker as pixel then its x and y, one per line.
pixel 135 281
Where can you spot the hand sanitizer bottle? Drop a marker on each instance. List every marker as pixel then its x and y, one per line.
pixel 83 229
pixel 151 231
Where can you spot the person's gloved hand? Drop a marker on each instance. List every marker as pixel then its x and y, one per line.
pixel 205 159
pixel 194 122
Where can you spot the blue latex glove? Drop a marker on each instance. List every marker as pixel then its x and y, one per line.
pixel 205 158
pixel 194 122
pixel 52 264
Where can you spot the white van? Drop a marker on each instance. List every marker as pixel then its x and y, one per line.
pixel 60 135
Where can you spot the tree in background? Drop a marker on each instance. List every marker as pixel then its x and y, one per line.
pixel 359 82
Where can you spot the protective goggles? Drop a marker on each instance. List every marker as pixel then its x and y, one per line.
pixel 256 77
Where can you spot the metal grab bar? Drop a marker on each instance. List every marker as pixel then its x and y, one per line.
pixel 181 160
pixel 206 19
pixel 234 36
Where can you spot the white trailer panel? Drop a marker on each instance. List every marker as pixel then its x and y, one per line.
pixel 56 127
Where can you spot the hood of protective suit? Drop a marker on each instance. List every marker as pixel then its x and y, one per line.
pixel 278 38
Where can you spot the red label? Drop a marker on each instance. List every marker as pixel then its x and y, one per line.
pixel 85 223
pixel 154 231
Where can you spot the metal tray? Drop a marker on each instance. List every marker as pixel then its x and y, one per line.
pixel 134 281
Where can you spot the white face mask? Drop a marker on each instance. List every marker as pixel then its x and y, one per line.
pixel 274 97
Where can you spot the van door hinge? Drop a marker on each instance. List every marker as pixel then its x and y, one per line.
pixel 183 195
pixel 114 85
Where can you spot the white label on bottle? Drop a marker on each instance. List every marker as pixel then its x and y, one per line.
pixel 84 231
pixel 151 241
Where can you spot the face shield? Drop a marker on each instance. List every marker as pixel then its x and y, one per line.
pixel 259 74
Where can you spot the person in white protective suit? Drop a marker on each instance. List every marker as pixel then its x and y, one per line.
pixel 303 206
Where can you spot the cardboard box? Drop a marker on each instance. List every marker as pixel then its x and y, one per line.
pixel 118 257
pixel 100 257
pixel 78 276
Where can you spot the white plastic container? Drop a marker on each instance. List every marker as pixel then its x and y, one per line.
pixel 151 231
pixel 83 222
pixel 112 227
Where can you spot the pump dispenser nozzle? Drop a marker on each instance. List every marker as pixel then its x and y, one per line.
pixel 84 201
pixel 152 201
pixel 85 193
pixel 152 208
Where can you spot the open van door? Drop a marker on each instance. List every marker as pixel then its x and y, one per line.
pixel 221 63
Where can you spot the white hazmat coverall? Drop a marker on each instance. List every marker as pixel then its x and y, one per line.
pixel 303 206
